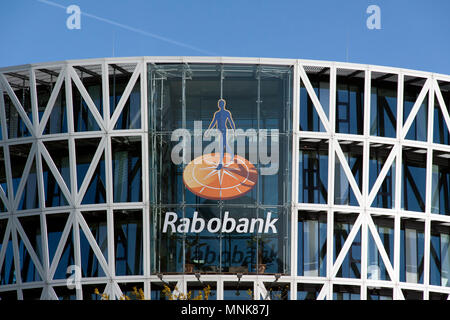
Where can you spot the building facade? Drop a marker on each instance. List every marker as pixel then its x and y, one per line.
pixel 262 178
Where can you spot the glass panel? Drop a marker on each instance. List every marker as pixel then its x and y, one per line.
pixel 351 265
pixel 414 180
pixel 440 255
pixel 96 220
pixel 412 252
pixel 32 294
pixel 127 169
pixel 130 118
pixel 383 105
pixel 418 129
pixel 312 244
pixel 277 291
pixel 30 198
pixel 343 192
pixel 55 228
pixel 349 102
pixel 57 121
pixel 3 183
pixel 53 194
pixel 412 295
pixel 65 293
pixel 18 155
pixel 385 195
pixel 119 76
pixel 441 133
pixel 82 116
pixel 238 290
pixel 128 242
pixel 7 272
pixel 376 267
pixel 89 291
pixel 313 172
pixel 59 152
pixel 197 290
pixel 28 270
pixel 15 125
pixel 379 294
pixel 307 291
pixel 440 186
pixel 344 292
pixel 309 118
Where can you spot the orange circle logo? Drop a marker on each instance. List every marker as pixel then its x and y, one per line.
pixel 207 177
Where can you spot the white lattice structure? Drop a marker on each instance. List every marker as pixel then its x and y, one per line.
pixel 25 198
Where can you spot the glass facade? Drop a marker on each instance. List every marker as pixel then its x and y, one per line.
pixel 344 196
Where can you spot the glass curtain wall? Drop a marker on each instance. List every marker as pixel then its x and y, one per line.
pixel 186 97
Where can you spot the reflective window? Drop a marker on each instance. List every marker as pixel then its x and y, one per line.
pixel 376 268
pixel 277 291
pixel 440 255
pixel 441 133
pixel 412 89
pixel 411 251
pixel 379 293
pixel 383 105
pixel 350 101
pixel 312 244
pixel 309 117
pixel 440 186
pixel 238 290
pixel 345 292
pixel 128 242
pixel 16 127
pixel 413 179
pixel 7 273
pixel 313 171
pixel 91 79
pixel 308 291
pixel 96 221
pixel 343 192
pixel 31 226
pixel 412 294
pixel 127 169
pixel 351 265
pixel 385 195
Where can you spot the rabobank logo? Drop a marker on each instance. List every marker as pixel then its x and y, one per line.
pixel 221 171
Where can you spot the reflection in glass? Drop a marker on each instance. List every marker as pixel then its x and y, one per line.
pixel 313 173
pixel 350 104
pixel 308 291
pixel 309 118
pixel 418 129
pixel 345 292
pixel 440 255
pixel 351 265
pixel 440 186
pixel 414 180
pixel 312 244
pixel 127 168
pixel 128 242
pixel 412 251
pixel 383 106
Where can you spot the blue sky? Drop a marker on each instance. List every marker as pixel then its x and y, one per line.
pixel 414 34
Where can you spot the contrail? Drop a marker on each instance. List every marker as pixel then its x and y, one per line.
pixel 139 31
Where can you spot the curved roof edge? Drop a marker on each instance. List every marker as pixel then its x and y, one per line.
pixel 224 59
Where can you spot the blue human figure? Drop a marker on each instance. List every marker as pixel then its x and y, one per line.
pixel 220 119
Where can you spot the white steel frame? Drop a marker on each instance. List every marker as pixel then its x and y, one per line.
pixel 106 123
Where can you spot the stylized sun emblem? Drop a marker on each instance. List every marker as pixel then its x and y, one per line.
pixel 207 179
pixel 220 176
